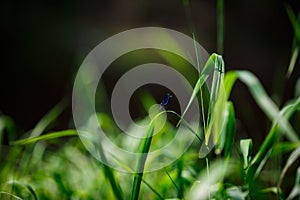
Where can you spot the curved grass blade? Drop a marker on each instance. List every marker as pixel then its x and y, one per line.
pixel 271 139
pixel 296 41
pixel 266 104
pixel 25 185
pixel 292 158
pixel 10 195
pixel 209 66
pixel 48 118
pixel 229 80
pixel 296 190
pixel 48 136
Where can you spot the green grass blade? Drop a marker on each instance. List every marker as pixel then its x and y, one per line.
pixel 271 139
pixel 173 182
pixel 186 124
pixel 220 8
pixel 296 26
pixel 296 190
pixel 48 136
pixel 292 62
pixel 153 190
pixel 128 169
pixel 246 150
pixel 230 129
pixel 297 88
pixel 217 102
pixel 295 23
pixel 48 119
pixel 266 104
pixel 109 174
pixel 284 147
pixel 292 158
pixel 229 80
pixel 144 149
pixel 209 66
pixel 10 195
pixel 25 185
pixel 220 115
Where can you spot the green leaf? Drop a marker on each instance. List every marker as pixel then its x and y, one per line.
pixel 246 150
pixel 48 136
pixel 209 66
pixel 217 102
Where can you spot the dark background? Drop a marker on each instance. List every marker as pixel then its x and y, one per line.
pixel 44 42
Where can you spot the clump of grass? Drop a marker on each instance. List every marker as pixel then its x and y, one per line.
pixel 32 169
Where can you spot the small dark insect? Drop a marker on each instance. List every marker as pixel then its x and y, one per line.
pixel 166 100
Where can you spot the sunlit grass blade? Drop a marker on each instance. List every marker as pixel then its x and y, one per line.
pixel 217 102
pixel 44 137
pixel 220 116
pixel 209 66
pixel 144 149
